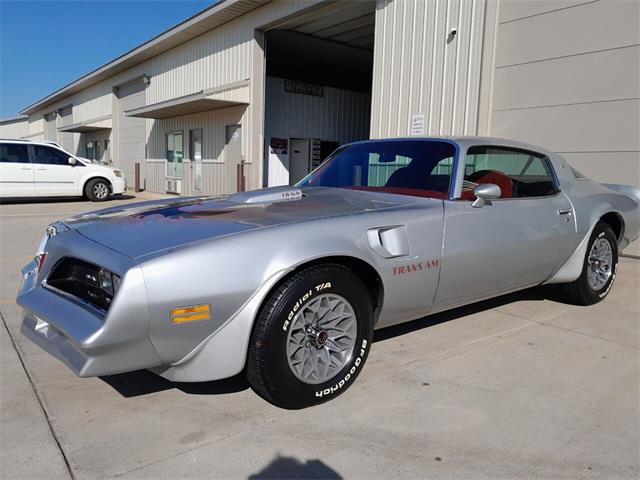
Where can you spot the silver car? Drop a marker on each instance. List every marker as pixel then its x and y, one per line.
pixel 287 284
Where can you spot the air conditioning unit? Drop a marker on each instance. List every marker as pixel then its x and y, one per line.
pixel 173 185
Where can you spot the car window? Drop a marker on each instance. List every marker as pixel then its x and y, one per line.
pixel 518 173
pixel 14 153
pixel 50 156
pixel 405 167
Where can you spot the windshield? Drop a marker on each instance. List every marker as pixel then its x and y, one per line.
pixel 407 167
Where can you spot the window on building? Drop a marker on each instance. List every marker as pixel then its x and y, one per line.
pixel 14 153
pixel 50 156
pixel 518 173
pixel 175 154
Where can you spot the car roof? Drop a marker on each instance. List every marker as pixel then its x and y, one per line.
pixel 467 141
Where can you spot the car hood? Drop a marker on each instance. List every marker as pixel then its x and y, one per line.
pixel 141 229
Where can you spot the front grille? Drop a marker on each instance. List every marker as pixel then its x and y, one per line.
pixel 84 281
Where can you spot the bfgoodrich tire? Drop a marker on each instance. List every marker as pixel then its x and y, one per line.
pixel 97 190
pixel 598 270
pixel 311 338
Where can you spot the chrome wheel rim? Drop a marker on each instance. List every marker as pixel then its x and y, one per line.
pixel 599 264
pixel 321 338
pixel 100 190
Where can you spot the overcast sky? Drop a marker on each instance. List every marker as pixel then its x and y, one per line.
pixel 46 44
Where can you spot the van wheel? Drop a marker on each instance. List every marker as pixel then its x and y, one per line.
pixel 97 190
pixel 311 338
pixel 598 270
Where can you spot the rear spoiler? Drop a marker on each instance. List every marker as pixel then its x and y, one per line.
pixel 627 190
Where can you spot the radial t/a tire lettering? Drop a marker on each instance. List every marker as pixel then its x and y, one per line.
pixel 311 338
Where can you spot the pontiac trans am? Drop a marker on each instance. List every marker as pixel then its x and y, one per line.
pixel 287 284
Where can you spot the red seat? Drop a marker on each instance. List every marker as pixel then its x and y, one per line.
pixel 490 176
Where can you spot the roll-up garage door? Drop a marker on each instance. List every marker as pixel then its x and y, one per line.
pixel 131 131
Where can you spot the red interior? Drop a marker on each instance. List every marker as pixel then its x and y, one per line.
pixel 497 178
pixel 414 192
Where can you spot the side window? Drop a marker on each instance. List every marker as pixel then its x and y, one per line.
pixel 14 153
pixel 50 156
pixel 518 173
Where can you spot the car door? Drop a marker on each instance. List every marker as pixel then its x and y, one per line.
pixel 53 173
pixel 16 170
pixel 516 241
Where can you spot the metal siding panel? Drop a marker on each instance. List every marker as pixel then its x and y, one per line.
pixel 418 69
pixel 601 25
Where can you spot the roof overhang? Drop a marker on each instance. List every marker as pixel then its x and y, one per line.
pixel 103 123
pixel 228 95
pixel 218 14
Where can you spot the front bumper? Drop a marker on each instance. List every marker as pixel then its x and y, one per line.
pixel 88 341
pixel 119 185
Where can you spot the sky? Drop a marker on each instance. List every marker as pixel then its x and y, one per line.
pixel 46 44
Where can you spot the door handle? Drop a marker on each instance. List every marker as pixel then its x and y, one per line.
pixel 26 168
pixel 565 211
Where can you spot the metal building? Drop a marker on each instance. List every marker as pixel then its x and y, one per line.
pixel 253 93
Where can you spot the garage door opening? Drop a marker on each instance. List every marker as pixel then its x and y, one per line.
pixel 319 73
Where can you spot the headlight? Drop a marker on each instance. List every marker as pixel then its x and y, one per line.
pixel 117 173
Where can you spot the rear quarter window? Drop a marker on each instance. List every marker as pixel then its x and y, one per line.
pixel 14 153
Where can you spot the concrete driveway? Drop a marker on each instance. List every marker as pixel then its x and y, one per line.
pixel 518 387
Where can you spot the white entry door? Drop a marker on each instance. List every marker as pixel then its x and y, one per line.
pixel 299 160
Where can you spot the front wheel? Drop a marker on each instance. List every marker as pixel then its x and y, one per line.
pixel 97 190
pixel 598 271
pixel 311 338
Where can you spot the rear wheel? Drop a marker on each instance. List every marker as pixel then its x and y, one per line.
pixel 97 190
pixel 311 338
pixel 598 271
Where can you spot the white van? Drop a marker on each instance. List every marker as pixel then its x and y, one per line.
pixel 44 169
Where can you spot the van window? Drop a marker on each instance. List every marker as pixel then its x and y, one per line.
pixel 14 153
pixel 50 156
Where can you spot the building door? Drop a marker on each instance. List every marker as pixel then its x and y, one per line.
pixel 233 155
pixel 175 154
pixel 196 157
pixel 131 138
pixel 299 164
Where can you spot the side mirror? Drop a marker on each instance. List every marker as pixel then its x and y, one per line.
pixel 72 161
pixel 485 192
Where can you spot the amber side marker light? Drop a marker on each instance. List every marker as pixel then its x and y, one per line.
pixel 190 314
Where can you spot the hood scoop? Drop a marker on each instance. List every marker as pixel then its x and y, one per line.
pixel 268 195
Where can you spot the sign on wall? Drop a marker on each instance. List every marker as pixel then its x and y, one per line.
pixel 417 124
pixel 303 88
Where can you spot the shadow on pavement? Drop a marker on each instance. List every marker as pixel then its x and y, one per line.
pixel 538 293
pixel 290 468
pixel 144 382
pixel 35 200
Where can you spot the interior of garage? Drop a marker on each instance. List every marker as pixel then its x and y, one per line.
pixel 318 87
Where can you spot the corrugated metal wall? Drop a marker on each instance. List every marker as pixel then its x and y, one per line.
pixel 420 68
pixel 14 128
pixel 213 125
pixel 340 116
